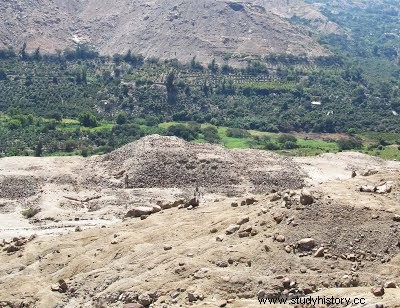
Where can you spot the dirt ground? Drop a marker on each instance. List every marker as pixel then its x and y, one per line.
pixel 178 257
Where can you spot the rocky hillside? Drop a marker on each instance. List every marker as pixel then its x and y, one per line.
pixel 168 29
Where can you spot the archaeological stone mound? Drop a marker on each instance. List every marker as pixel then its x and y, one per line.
pixel 169 162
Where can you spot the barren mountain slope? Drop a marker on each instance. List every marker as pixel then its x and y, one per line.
pixel 167 29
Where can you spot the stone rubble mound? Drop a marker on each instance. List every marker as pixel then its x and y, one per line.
pixel 157 161
pixel 17 187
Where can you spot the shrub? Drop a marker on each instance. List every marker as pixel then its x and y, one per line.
pixel 210 134
pixel 122 118
pixel 237 133
pixel 14 124
pixel 88 120
pixel 289 145
pixel 182 131
pixel 29 213
pixel 349 144
pixel 70 146
pixel 39 149
pixel 272 146
pixel 283 138
pixel 84 152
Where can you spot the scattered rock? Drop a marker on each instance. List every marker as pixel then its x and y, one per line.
pixel 221 264
pixel 275 197
pixel 390 285
pixel 78 229
pixel 234 204
pixel 219 238
pixel 232 229
pixel 306 243
pixel 243 220
pixel 378 291
pixel 193 296
pixel 62 285
pixel 369 172
pixel 145 299
pixel 319 253
pixel 384 188
pixel 288 249
pixel 156 209
pixel 286 283
pixel 221 303
pixel 280 238
pixel 278 218
pixel 250 201
pixel 167 247
pixel 306 198
pixel 178 202
pixel 139 211
pixel 194 202
pixel 244 233
pixel 54 288
pixel 368 188
pixel 214 230
pixel 396 218
pixel 261 293
pixel 133 305
pixel 11 249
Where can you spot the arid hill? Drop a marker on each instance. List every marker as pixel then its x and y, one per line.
pixel 167 29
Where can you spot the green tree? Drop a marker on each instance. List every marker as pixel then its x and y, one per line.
pixel 283 138
pixel 213 66
pixel 353 143
pixel 237 133
pixel 39 149
pixel 56 116
pixel 210 134
pixel 122 118
pixel 88 120
pixel 171 88
pixel 22 53
pixel 36 55
pixel 3 75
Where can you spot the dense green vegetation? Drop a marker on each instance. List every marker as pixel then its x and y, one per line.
pixel 78 102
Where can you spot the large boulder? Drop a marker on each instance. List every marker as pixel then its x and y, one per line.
pixel 306 198
pixel 243 220
pixel 384 188
pixel 145 299
pixel 378 291
pixel 194 202
pixel 306 243
pixel 232 229
pixel 140 211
